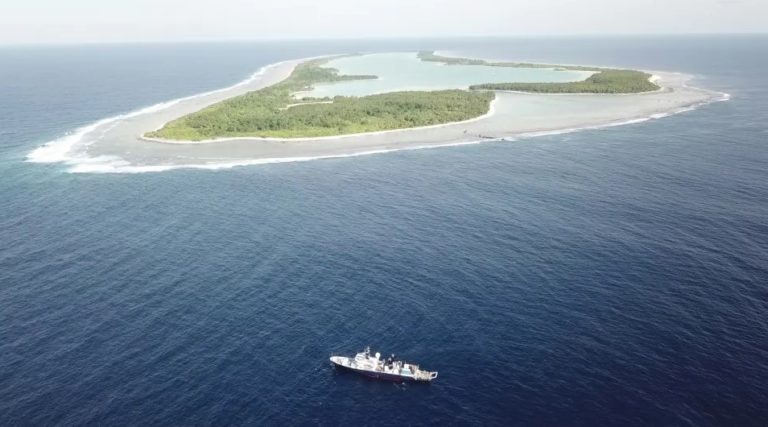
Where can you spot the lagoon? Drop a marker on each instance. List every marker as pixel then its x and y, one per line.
pixel 405 71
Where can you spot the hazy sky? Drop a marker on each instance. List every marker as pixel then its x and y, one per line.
pixel 65 21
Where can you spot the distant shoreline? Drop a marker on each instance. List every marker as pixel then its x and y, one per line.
pixel 115 144
pixel 266 114
pixel 662 79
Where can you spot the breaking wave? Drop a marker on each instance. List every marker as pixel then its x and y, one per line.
pixel 64 149
pixel 71 148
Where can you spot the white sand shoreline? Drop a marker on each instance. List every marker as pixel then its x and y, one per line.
pixel 655 78
pixel 116 144
pixel 491 111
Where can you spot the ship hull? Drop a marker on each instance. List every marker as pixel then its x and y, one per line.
pixel 379 375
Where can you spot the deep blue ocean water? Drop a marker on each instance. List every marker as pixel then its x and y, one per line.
pixel 604 277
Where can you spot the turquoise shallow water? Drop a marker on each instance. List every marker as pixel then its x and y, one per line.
pixel 404 71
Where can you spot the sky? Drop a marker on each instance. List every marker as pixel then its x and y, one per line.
pixel 93 21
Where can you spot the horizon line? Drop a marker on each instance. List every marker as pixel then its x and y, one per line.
pixel 376 38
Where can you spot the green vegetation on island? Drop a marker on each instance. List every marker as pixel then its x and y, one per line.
pixel 606 81
pixel 603 81
pixel 429 56
pixel 274 112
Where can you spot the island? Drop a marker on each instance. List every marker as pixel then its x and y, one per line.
pixel 361 104
pixel 276 112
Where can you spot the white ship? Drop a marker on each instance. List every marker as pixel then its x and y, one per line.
pixel 390 369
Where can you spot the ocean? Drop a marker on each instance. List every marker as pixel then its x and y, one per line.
pixel 606 277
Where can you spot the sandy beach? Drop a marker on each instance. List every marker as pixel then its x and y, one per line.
pixel 117 145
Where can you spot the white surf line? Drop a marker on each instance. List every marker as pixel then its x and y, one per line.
pixel 616 123
pixel 120 166
pixel 490 113
pixel 654 78
pixel 125 167
pixel 60 149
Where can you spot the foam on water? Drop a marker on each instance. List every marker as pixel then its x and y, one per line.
pixel 64 149
pixel 109 164
pixel 71 149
